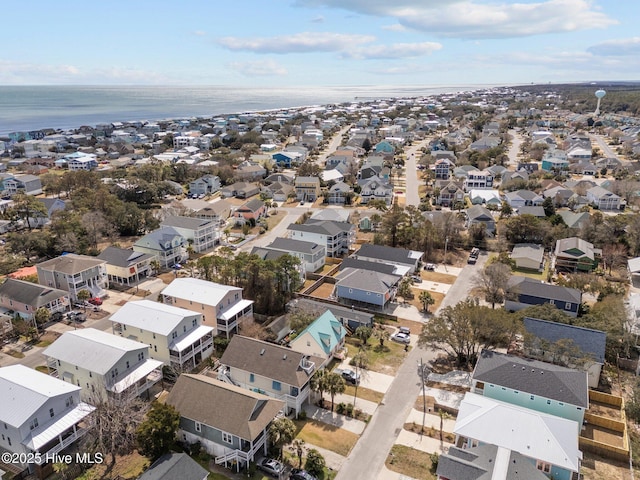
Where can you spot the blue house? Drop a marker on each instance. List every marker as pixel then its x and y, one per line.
pixel 523 292
pixel 366 288
pixel 554 164
pixel 287 159
pixel 384 147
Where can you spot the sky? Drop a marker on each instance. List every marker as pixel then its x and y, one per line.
pixel 265 43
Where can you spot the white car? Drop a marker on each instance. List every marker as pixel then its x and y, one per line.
pixel 401 337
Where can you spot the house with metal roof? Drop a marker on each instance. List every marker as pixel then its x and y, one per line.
pixel 231 423
pixel 270 369
pixel 175 465
pixel 574 254
pixel 125 266
pixel 201 234
pixel 166 244
pixel 568 344
pixel 486 462
pixel 101 363
pixel 25 298
pixel 40 414
pixel 74 273
pixel 532 384
pixel 550 442
pixel 175 336
pixel 221 306
pixel 523 292
pixel 323 338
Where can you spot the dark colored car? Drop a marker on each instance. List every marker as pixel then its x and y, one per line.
pixel 271 466
pixel 297 474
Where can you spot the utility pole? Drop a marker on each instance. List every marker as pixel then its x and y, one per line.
pixel 424 397
pixel 446 243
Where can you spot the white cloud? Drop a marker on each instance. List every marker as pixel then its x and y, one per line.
pixel 396 27
pixel 261 68
pixel 200 33
pixel 619 47
pixel 395 51
pixel 297 43
pixel 472 20
pixel 318 19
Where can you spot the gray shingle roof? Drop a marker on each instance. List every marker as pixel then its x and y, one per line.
pixel 172 466
pixel 121 257
pixel 322 227
pixel 70 264
pixel 537 288
pixel 391 254
pixel 192 223
pixel 293 245
pixel 591 342
pixel 29 293
pixel 366 280
pixel 533 377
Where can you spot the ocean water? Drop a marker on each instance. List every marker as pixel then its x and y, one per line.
pixel 26 108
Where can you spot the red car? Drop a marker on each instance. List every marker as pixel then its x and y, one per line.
pixel 95 301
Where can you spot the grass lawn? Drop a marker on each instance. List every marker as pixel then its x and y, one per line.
pixel 14 353
pixel 438 277
pixel 533 273
pixel 43 369
pixel 415 301
pixel 364 393
pixel 326 436
pixel 386 359
pixel 275 218
pixel 411 462
pixel 128 467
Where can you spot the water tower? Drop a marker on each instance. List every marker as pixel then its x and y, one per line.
pixel 599 95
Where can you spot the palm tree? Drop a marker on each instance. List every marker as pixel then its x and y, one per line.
pixel 443 416
pixel 381 334
pixel 282 432
pixel 318 384
pixel 298 448
pixel 426 299
pixel 335 384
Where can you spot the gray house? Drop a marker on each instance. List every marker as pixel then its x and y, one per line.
pixel 230 422
pixel 204 185
pixel 366 288
pixel 480 215
pixel 166 244
pixel 173 465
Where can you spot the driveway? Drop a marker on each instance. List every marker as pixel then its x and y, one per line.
pixel 378 382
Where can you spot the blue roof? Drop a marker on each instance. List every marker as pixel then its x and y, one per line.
pixel 327 331
pixel 591 342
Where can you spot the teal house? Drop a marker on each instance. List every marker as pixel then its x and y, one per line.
pixel 324 338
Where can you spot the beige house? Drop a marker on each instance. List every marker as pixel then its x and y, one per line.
pixel 25 298
pixel 126 267
pixel 307 188
pixel 175 335
pixel 222 306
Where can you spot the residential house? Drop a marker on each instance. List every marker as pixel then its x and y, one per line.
pixel 81 161
pixel 25 298
pixel 250 171
pixel 528 256
pixel 307 188
pixel 584 168
pixel 508 177
pixel 480 215
pixel 74 273
pixel 603 199
pixel 278 191
pixel 311 255
pixel 236 431
pixel 166 244
pixel 530 167
pixel 559 194
pixel 175 465
pixel 102 364
pixel 27 184
pixel 337 237
pixel 287 159
pixel 201 234
pixel 485 143
pixel 537 212
pixel 350 318
pixel 577 347
pixel 549 442
pixel 175 336
pixel 524 292
pixel 218 212
pixel 575 255
pixel 51 205
pixel 486 462
pixel 222 306
pixel 442 168
pixel 573 219
pixel 478 179
pixel 323 339
pixel 369 289
pixel 204 185
pixel 240 190
pixel 554 164
pixel 126 267
pixel 485 197
pixel 407 260
pixel 523 198
pixel 40 414
pixel 450 194
pixel 251 211
pixel 374 188
pixel 339 194
pixel 269 369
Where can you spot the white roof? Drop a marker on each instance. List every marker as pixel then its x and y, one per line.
pixel 152 316
pixel 331 175
pixel 25 390
pixel 43 434
pixel 187 340
pixel 95 350
pixel 197 290
pixel 138 373
pixel 634 265
pixel 486 195
pixel 533 434
pixel 235 309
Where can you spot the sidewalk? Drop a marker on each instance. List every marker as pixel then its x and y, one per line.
pixel 366 406
pixel 333 460
pixel 332 418
pixel 386 474
pixel 444 397
pixel 431 420
pixel 423 443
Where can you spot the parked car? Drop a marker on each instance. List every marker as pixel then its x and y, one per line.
pixel 297 474
pixel 416 279
pixel 97 301
pixel 270 466
pixel 406 330
pixel 401 337
pixel 430 267
pixel 76 316
pixel 351 376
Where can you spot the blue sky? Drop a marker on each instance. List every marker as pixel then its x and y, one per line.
pixel 319 42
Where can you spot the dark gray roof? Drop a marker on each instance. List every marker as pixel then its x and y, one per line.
pixel 391 254
pixel 121 257
pixel 479 212
pixel 172 466
pixel 322 227
pixel 366 280
pixel 339 312
pixel 293 245
pixel 591 342
pixel 537 211
pixel 29 293
pixel 157 239
pixel 533 377
pixel 365 265
pixel 478 463
pixel 253 205
pixel 537 288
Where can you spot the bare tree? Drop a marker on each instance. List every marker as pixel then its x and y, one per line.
pixel 614 255
pixel 493 282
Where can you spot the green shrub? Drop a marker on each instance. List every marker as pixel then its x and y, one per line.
pixel 315 463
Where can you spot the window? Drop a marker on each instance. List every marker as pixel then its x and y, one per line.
pixel 227 437
pixel 68 402
pixel 276 385
pixel 552 302
pixel 127 363
pixel 9 440
pixel 33 424
pixel 531 397
pixel 90 375
pixel 155 348
pixel 51 414
pixel 194 321
pixel 252 377
pixel 198 427
pixel 548 402
pixel 567 306
pixel 174 335
pixel 543 467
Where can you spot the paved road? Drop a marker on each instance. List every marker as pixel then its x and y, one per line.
pixel 514 149
pixel 279 230
pixel 333 145
pixel 607 151
pixel 411 174
pixel 464 283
